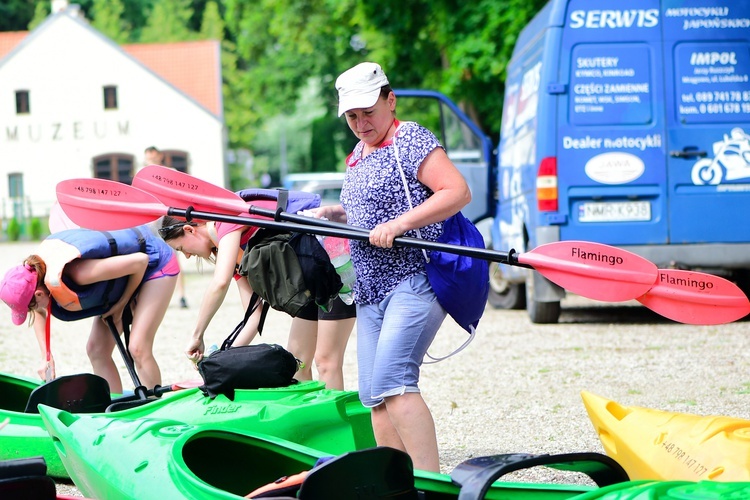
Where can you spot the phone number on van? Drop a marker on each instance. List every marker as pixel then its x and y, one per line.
pixel 614 211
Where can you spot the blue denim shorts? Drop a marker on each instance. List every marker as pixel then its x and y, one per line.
pixel 393 337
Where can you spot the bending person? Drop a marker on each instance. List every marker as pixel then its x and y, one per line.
pixel 76 274
pixel 314 333
pixel 398 313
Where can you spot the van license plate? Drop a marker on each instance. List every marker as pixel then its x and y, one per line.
pixel 614 211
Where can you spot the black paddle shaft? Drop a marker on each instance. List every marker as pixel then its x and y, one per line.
pixel 140 390
pixel 329 228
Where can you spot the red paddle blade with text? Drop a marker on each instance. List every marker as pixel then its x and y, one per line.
pixel 107 205
pixel 696 298
pixel 593 270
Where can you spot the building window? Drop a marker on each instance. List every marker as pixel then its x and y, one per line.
pixel 22 102
pixel 110 97
pixel 15 185
pixel 114 166
pixel 178 160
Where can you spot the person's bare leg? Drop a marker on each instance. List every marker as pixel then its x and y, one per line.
pixel 151 305
pixel 333 335
pixel 412 420
pixel 382 427
pixel 303 336
pixel 181 287
pixel 99 349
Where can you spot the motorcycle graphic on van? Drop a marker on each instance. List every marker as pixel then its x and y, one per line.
pixel 731 160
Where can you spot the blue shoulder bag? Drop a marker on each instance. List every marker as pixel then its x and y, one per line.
pixel 461 283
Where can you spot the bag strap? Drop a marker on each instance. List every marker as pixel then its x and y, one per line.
pixel 472 334
pixel 255 302
pixel 406 185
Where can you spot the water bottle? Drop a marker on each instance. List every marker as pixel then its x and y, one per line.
pixel 211 349
pixel 338 251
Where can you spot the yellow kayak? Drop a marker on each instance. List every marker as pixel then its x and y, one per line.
pixel 670 446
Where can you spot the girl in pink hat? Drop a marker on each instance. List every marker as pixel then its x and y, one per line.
pixel 80 273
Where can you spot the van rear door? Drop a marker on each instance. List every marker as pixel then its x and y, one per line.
pixel 708 117
pixel 611 164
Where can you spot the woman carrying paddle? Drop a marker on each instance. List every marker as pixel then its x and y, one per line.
pixel 398 313
pixel 314 333
pixel 80 273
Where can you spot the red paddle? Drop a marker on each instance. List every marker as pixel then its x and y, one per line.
pixel 587 269
pixel 696 298
pixel 576 266
pixel 592 270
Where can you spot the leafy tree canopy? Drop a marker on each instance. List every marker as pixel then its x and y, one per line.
pixel 274 51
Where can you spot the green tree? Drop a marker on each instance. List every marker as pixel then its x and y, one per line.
pixel 212 25
pixel 15 14
pixel 41 11
pixel 168 22
pixel 107 18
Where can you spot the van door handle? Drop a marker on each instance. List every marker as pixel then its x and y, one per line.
pixel 688 152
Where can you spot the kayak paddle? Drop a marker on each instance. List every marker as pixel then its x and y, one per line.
pixel 668 297
pixel 592 270
pixel 696 298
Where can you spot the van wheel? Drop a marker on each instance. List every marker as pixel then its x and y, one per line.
pixel 503 294
pixel 541 313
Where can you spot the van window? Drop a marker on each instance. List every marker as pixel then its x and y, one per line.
pixel 711 82
pixel 611 84
pixel 461 144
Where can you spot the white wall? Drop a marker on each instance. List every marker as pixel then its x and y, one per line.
pixel 64 64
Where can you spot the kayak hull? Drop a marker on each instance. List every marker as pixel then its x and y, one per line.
pixel 24 435
pixel 163 459
pixel 333 421
pixel 671 446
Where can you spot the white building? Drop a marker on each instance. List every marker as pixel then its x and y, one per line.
pixel 73 104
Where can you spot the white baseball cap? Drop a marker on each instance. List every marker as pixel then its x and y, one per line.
pixel 359 87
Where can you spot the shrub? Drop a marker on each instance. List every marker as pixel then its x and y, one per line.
pixel 35 229
pixel 14 229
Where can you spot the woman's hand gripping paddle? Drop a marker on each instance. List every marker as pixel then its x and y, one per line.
pixel 588 269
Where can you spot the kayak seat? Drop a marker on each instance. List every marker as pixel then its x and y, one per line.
pixel 380 472
pixel 26 479
pixel 79 393
pixel 476 475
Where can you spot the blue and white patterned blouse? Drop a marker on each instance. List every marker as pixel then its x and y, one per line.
pixel 373 193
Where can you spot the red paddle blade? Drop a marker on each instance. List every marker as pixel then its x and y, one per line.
pixel 107 205
pixel 180 190
pixel 593 270
pixel 188 384
pixel 58 221
pixel 696 298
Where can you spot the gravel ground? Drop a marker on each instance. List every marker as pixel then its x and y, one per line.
pixel 516 388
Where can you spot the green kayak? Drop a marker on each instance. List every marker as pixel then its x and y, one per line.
pixel 329 420
pixel 150 458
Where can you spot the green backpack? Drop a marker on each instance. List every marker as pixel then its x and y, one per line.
pixel 290 270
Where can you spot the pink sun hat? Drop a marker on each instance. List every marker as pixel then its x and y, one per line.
pixel 17 290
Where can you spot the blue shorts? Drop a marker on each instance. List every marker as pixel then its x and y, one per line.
pixel 393 337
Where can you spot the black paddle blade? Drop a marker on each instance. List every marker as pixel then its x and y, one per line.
pixel 80 393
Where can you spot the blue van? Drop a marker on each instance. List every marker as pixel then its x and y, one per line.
pixel 626 123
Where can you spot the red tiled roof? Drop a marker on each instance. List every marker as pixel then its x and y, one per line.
pixel 9 40
pixel 192 67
